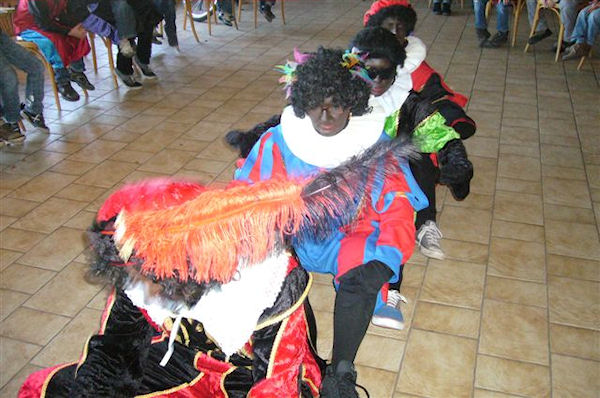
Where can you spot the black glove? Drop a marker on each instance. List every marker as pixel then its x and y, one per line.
pixel 456 169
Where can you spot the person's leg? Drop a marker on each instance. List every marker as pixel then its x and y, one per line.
pixel 580 36
pixel 541 31
pixel 144 52
pixel 9 90
pixel 354 304
pixel 77 75
pixel 446 4
pixel 501 36
pixel 593 28
pixel 167 9
pixel 265 9
pixel 480 21
pixel 437 7
pixel 568 16
pixel 126 25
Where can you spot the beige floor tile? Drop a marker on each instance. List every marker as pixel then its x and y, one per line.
pixel 10 300
pixel 424 372
pixel 32 326
pixel 378 382
pixel 454 283
pixel 16 207
pixel 6 221
pixel 519 167
pixel 167 161
pixel 574 377
pixel 11 389
pixel 46 254
pixel 188 144
pixel 578 342
pixel 412 275
pixel 106 174
pixel 514 331
pixel 68 345
pixel 324 333
pixel 38 162
pixel 447 319
pixel 517 259
pixel 561 156
pixel 573 267
pixel 99 301
pixel 465 251
pixel 482 146
pixel 97 151
pixel 574 302
pixel 12 179
pixel 516 291
pixel 24 279
pixel 465 224
pixel 568 214
pixel 7 257
pixel 520 186
pixel 380 353
pixel 42 187
pixel 67 293
pixel 512 377
pixel 79 192
pixel 568 173
pixel 519 135
pixel 491 394
pixel 574 240
pixel 473 201
pixel 72 168
pixel 558 191
pixel 485 175
pixel 15 355
pixel 513 230
pixel 50 215
pixel 518 207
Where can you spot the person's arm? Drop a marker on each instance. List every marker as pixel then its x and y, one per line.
pixel 41 14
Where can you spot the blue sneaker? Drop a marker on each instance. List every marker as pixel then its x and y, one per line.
pixel 390 316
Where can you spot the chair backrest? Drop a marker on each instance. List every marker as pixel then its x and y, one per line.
pixel 6 20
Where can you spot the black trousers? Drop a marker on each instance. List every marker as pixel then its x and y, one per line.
pixel 143 52
pixel 354 305
pixel 426 174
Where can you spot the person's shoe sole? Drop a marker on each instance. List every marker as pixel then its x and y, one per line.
pixel 387 323
pixel 432 253
pixel 24 115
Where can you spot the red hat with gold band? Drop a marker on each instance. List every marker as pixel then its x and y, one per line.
pixel 381 4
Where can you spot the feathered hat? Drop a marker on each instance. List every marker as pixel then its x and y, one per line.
pixel 381 4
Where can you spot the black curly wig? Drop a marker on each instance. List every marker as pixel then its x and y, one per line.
pixel 405 14
pixel 323 76
pixel 380 43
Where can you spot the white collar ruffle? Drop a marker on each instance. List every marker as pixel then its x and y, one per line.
pixel 307 144
pixel 416 51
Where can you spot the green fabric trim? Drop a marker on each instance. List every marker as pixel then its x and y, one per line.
pixel 432 134
pixel 391 124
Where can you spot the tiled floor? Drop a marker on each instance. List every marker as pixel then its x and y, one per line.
pixel 513 311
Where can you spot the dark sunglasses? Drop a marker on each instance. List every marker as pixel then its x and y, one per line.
pixel 383 74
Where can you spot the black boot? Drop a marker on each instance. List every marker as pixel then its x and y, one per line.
pixel 482 35
pixel 437 8
pixel 67 92
pixel 339 382
pixel 497 40
pixel 446 9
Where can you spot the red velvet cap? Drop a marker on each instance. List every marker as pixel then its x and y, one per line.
pixel 381 4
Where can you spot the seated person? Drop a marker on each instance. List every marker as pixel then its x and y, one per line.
pixel 586 30
pixel 13 56
pixel 483 35
pixel 327 124
pixel 167 9
pixel 62 40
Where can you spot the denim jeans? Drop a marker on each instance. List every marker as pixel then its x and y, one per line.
pixel 124 19
pixel 568 16
pixel 442 1
pixel 587 26
pixel 13 55
pixel 61 74
pixel 502 12
pixel 531 5
pixel 167 9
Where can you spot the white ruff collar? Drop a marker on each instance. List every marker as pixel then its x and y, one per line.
pixel 229 313
pixel 394 97
pixel 416 51
pixel 328 152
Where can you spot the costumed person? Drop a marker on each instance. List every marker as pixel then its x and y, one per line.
pixel 399 17
pixel 207 300
pixel 328 123
pixel 61 39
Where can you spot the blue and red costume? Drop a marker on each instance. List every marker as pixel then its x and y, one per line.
pixel 384 231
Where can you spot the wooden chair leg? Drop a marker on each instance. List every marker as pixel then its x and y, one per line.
pixel 188 14
pixel 255 8
pixel 92 36
pixel 234 14
pixel 208 6
pixel 488 10
pixel 239 15
pixel 582 60
pixel 517 17
pixel 561 32
pixel 536 20
pixel 462 4
pixel 283 11
pixel 53 84
pixel 21 125
pixel 111 64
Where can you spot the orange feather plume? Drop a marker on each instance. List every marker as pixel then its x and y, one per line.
pixel 207 237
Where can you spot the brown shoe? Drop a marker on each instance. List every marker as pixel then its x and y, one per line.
pixel 577 50
pixel 10 133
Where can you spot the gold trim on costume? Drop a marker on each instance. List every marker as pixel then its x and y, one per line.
pixel 50 375
pixel 109 306
pixel 83 354
pixel 275 346
pixel 173 389
pixel 288 312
